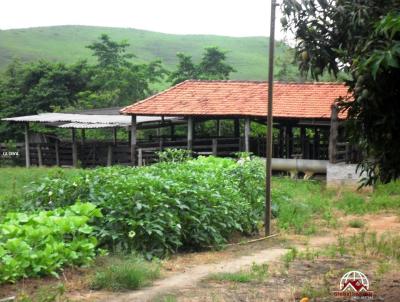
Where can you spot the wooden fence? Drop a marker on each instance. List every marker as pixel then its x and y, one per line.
pixel 95 153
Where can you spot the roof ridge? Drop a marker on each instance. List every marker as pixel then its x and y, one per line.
pixel 260 82
pixel 122 111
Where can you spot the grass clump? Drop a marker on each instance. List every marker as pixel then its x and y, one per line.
pixel 125 273
pixel 356 223
pixel 257 272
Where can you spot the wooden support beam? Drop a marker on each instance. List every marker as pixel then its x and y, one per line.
pixel 83 136
pixel 133 140
pixel 247 135
pixel 214 147
pixel 57 150
pixel 74 149
pixel 140 157
pixel 190 133
pixel 236 127
pixel 303 142
pixel 333 133
pixel 27 151
pixel 115 133
pixel 289 132
pixel 39 155
pixel 109 155
pixel 172 132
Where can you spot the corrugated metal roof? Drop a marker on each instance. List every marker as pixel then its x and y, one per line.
pixel 86 126
pixel 84 120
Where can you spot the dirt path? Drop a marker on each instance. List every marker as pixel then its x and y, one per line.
pixel 192 275
pixel 195 274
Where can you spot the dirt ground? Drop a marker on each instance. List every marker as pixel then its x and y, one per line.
pixel 185 275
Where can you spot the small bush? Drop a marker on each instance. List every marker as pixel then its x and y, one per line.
pixel 356 223
pixel 43 243
pixel 126 273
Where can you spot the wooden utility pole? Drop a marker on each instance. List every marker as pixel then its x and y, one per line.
pixel 270 122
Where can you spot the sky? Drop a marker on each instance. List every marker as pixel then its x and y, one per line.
pixel 236 18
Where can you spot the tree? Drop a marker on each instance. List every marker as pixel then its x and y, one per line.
pixel 185 70
pixel 116 80
pixel 361 38
pixel 212 66
pixel 38 87
pixel 110 53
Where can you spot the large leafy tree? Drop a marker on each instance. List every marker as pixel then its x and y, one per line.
pixel 39 87
pixel 116 79
pixel 212 66
pixel 362 39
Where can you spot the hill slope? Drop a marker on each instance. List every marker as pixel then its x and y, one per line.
pixel 67 44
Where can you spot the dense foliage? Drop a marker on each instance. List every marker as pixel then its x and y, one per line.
pixel 212 66
pixel 361 38
pixel 165 207
pixel 43 243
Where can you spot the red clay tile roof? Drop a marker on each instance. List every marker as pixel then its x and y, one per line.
pixel 241 98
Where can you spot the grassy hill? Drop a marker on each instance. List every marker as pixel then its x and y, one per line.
pixel 67 44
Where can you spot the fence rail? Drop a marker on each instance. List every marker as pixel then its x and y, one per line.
pixel 96 153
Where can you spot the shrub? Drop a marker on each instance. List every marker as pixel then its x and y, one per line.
pixel 43 243
pixel 123 273
pixel 161 208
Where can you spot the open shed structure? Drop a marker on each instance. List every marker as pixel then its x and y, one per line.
pixel 303 115
pixel 305 125
pixel 51 150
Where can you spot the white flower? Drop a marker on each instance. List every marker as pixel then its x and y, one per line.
pixel 50 193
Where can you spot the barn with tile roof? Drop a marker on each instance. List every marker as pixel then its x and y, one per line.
pixel 302 115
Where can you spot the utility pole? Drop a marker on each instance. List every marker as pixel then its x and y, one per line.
pixel 270 122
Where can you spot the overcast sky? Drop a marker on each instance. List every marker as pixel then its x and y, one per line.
pixel 219 17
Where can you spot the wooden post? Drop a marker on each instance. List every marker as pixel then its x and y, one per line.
pixel 115 135
pixel 140 157
pixel 133 140
pixel 27 151
pixel 172 133
pixel 281 141
pixel 316 143
pixel 303 138
pixel 161 143
pixel 236 127
pixel 74 149
pixel 333 133
pixel 247 135
pixel 39 154
pixel 57 149
pixel 289 133
pixel 190 134
pixel 109 155
pixel 214 147
pixel 83 136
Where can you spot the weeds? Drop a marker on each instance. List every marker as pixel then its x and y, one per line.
pixel 356 223
pixel 255 273
pixel 125 273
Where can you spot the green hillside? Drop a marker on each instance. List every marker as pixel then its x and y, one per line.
pixel 67 44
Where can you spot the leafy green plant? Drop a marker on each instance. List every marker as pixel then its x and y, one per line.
pixel 168 206
pixel 122 273
pixel 174 155
pixel 43 243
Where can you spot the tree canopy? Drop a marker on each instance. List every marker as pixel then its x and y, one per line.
pixel 212 66
pixel 362 39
